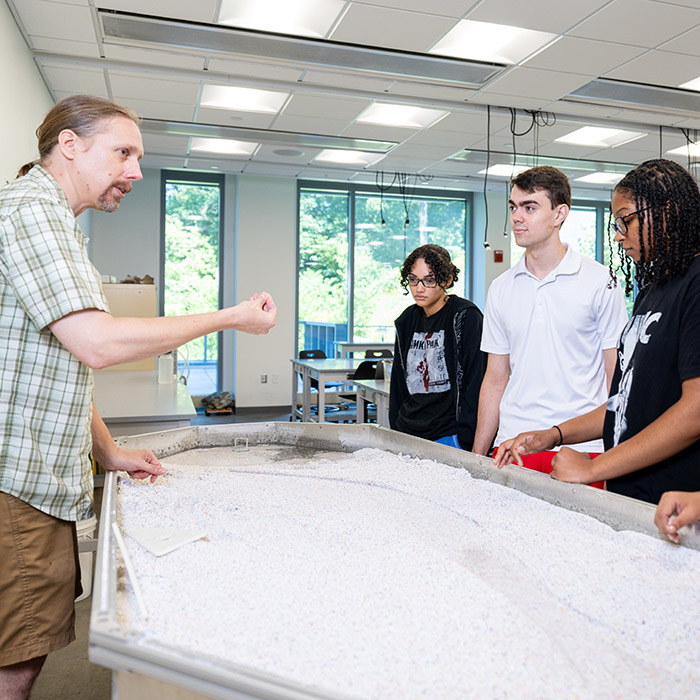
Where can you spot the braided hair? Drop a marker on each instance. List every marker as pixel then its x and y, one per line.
pixel 667 200
pixel 437 259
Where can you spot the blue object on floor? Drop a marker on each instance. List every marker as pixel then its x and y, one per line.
pixel 450 440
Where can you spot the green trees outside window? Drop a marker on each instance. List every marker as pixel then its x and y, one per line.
pixel 349 261
pixel 191 271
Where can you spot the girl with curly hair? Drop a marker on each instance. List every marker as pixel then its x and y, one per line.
pixel 438 366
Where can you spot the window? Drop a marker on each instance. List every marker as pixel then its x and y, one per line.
pixel 191 260
pixel 349 262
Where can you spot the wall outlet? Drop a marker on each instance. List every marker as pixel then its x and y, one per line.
pixel 263 379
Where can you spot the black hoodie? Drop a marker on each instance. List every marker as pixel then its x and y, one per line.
pixel 444 398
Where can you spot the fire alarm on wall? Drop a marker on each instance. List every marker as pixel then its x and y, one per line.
pixel 498 256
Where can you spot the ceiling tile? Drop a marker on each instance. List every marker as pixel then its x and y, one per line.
pixel 515 101
pixel 140 87
pixel 310 125
pixel 542 15
pixel 435 92
pixel 64 47
pixel 75 80
pixel 56 21
pixel 200 11
pixel 271 70
pixel 688 43
pixel 380 133
pixel 347 80
pixel 166 144
pixel 410 149
pixel 583 56
pixel 447 8
pixel 332 107
pixel 147 57
pixel 659 68
pixel 378 26
pixel 471 122
pixel 162 161
pixel 646 117
pixel 227 117
pixel 638 23
pixel 535 83
pixel 148 109
pixel 216 165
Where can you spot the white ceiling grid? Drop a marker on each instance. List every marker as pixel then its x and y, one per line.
pixel 643 42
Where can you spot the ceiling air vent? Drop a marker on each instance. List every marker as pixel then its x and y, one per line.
pixel 637 96
pixel 133 29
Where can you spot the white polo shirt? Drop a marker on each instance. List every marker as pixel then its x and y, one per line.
pixel 555 331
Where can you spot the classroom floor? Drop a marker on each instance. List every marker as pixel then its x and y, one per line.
pixel 67 674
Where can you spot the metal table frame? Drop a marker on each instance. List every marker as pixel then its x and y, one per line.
pixel 324 370
pixel 374 391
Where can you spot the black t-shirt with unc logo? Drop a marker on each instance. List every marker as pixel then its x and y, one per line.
pixel 658 350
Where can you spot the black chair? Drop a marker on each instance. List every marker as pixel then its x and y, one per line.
pixel 384 352
pixel 367 369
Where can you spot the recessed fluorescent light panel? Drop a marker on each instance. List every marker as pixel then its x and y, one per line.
pixel 400 115
pixel 504 170
pixel 692 149
pixel 600 137
pixel 344 157
pixel 691 85
pixel 242 99
pixel 304 17
pixel 485 41
pixel 227 147
pixel 601 178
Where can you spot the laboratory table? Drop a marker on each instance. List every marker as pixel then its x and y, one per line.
pixel 346 349
pixel 323 370
pixel 374 391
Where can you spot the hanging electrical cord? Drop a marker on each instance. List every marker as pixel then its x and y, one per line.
pixel 379 176
pixel 661 141
pixel 486 177
pixel 406 193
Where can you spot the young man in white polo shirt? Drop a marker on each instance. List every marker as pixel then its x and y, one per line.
pixel 551 326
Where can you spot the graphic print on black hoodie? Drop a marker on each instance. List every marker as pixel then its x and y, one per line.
pixel 426 368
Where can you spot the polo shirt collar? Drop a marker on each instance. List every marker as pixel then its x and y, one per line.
pixel 570 264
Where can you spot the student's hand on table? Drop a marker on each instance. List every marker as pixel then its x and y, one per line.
pixel 685 506
pixel 572 466
pixel 139 464
pixel 524 444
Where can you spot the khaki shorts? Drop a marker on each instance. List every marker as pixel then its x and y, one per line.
pixel 39 581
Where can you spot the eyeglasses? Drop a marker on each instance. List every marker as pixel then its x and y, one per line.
pixel 427 282
pixel 619 224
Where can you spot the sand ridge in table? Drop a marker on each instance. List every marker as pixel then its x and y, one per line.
pixel 376 575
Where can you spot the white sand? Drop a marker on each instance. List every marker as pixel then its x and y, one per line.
pixel 377 576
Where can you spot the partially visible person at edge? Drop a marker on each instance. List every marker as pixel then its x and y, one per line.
pixel 676 509
pixel 651 422
pixel 55 328
pixel 551 326
pixel 438 367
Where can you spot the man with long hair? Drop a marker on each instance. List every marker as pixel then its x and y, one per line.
pixel 55 328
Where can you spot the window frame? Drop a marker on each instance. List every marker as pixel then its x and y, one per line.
pixel 195 178
pixel 352 190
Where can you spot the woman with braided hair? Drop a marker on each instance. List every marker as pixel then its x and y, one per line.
pixel 651 422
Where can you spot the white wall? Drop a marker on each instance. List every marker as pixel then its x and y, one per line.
pixel 265 254
pixel 26 99
pixel 127 242
pixel 485 269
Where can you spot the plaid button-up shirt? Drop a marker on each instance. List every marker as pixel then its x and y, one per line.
pixel 45 392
